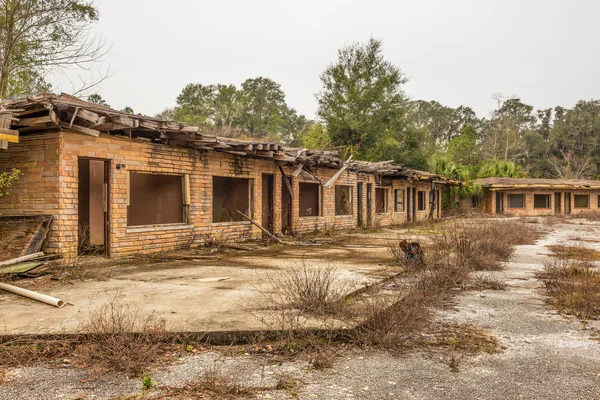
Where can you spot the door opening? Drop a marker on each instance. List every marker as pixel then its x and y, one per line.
pixel 567 201
pixel 93 206
pixel 414 204
pixel 499 202
pixel 286 205
pixel 268 203
pixel 369 204
pixel 359 203
pixel 408 205
pixel 557 203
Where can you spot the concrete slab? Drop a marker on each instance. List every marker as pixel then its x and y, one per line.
pixel 191 295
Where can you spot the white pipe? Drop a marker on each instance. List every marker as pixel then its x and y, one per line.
pixel 53 301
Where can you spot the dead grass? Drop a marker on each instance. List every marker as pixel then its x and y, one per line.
pixel 485 244
pixel 573 285
pixel 119 337
pixel 482 282
pixel 306 289
pixel 581 253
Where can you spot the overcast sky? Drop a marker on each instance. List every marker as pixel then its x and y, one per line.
pixel 457 52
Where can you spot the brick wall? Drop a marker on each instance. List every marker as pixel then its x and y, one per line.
pixel 50 186
pixel 530 210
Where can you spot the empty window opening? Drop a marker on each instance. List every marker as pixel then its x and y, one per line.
pixel 581 201
pixel 230 195
pixel 155 199
pixel 399 200
pixel 541 201
pixel 309 199
pixel 516 200
pixel 422 202
pixel 381 202
pixel 599 201
pixel 343 200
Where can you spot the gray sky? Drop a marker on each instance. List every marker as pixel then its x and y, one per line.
pixel 457 52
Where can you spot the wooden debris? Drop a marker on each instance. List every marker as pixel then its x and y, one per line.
pixel 261 228
pixel 22 258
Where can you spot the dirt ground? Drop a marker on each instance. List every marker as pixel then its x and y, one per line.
pixel 544 355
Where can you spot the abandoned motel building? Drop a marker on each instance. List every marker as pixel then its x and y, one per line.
pixel 128 184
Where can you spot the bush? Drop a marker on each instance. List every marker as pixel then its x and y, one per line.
pixel 119 337
pixel 574 286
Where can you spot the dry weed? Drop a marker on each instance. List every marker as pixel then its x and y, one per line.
pixel 482 282
pixel 575 252
pixel 574 286
pixel 119 337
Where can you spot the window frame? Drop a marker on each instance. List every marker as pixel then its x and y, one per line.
pixel 351 197
pixel 385 200
pixel 250 199
pixel 401 203
pixel 319 199
pixel 508 202
pixel 549 202
pixel 587 196
pixel 185 199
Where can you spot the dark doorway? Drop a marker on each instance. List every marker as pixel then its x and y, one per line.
pixel 369 203
pixel 267 203
pixel 408 204
pixel 414 204
pixel 499 202
pixel 567 201
pixel 286 205
pixel 557 203
pixel 359 194
pixel 93 202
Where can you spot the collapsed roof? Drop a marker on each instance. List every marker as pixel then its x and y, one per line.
pixel 49 112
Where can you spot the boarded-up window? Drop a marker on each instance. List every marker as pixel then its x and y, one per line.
pixel 229 196
pixel 422 202
pixel 309 199
pixel 581 201
pixel 399 200
pixel 343 200
pixel 155 199
pixel 516 200
pixel 541 201
pixel 381 201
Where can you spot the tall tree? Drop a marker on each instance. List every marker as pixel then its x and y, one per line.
pixel 258 110
pixel 464 149
pixel 39 35
pixel 574 147
pixel 440 124
pixel 362 101
pixel 503 134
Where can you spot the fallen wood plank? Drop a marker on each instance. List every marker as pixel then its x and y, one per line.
pixel 335 177
pixel 298 170
pixel 261 228
pixel 20 268
pixel 238 247
pixel 363 246
pixel 286 180
pixel 20 259
pixel 81 129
